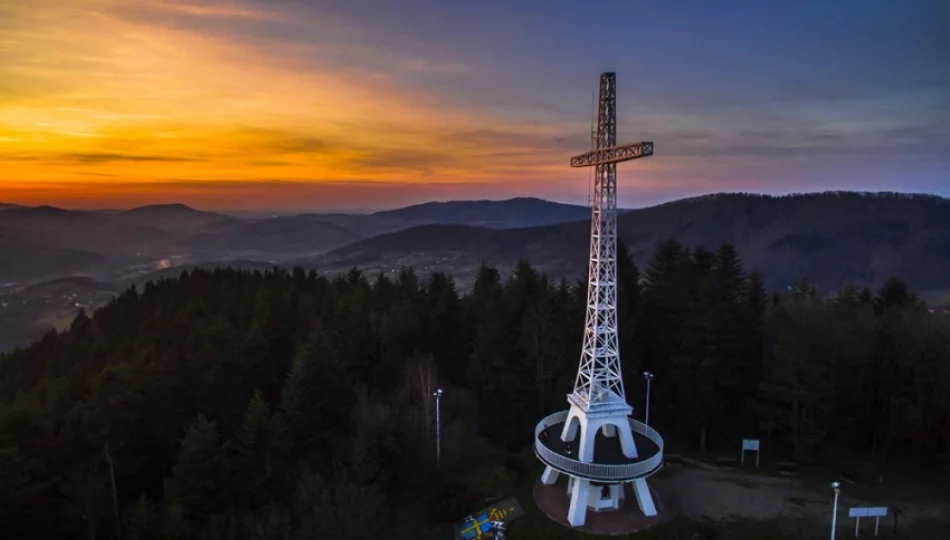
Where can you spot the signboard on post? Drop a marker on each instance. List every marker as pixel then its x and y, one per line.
pixel 876 512
pixel 751 445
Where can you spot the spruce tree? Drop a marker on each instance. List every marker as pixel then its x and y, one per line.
pixel 199 482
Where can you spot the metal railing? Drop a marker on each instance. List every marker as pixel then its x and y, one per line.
pixel 599 471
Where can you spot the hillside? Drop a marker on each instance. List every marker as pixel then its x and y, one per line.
pixel 26 313
pixel 25 260
pixel 69 285
pixel 172 217
pixel 511 213
pixel 75 229
pixel 832 238
pixel 285 234
pixel 148 235
pixel 222 394
pixel 176 271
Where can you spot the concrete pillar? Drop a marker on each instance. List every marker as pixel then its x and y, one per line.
pixel 577 512
pixel 549 476
pixel 644 497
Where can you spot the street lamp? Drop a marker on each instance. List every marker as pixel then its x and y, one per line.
pixel 438 426
pixel 834 513
pixel 648 375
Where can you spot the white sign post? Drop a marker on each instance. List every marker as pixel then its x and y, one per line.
pixel 876 512
pixel 751 445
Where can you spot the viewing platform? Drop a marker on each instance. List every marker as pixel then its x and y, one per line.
pixel 610 465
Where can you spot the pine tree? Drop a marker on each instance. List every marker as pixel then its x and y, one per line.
pixel 145 521
pixel 628 306
pixel 488 374
pixel 731 368
pixel 199 481
pixel 173 525
pixel 315 401
pixel 445 334
pixel 260 454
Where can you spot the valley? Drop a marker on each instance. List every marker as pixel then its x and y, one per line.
pixel 833 238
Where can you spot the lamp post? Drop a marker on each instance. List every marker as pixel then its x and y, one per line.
pixel 834 513
pixel 438 427
pixel 648 375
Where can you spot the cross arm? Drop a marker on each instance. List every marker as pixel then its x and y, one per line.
pixel 613 154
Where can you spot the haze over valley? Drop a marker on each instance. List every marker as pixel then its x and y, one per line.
pixel 56 261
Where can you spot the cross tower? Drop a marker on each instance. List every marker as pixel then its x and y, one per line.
pixel 565 442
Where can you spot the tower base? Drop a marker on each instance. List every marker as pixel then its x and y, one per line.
pixel 554 501
pixel 587 495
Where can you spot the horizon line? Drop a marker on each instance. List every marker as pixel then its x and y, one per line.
pixel 369 210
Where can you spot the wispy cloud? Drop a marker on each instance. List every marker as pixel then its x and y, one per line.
pixel 103 157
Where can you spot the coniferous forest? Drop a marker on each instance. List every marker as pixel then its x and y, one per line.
pixel 288 405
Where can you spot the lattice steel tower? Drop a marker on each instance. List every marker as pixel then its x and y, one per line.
pixel 598 402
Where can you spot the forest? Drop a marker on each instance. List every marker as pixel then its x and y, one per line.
pixel 288 405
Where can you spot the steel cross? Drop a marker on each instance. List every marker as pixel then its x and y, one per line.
pixel 599 380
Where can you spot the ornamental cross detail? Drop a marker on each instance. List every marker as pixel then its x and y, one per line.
pixel 599 382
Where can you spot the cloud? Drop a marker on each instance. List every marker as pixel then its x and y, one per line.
pixel 422 161
pixel 496 138
pixel 253 139
pixel 103 157
pixel 421 65
pixel 212 9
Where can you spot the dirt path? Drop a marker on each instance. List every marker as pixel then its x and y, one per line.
pixel 715 494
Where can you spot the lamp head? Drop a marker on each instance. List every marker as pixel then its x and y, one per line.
pixel 437 393
pixel 647 375
pixel 835 486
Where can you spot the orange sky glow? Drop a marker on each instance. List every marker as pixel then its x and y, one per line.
pixel 360 104
pixel 105 106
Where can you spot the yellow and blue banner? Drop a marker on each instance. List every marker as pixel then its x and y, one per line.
pixel 480 526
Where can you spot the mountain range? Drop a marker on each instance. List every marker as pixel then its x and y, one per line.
pixel 832 238
pixel 46 242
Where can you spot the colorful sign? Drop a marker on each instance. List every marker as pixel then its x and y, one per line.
pixel 480 525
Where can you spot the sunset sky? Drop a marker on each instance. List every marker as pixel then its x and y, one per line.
pixel 345 104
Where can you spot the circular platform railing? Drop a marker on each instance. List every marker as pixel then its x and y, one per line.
pixel 599 471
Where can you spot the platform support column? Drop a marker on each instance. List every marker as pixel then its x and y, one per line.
pixel 644 497
pixel 577 512
pixel 549 476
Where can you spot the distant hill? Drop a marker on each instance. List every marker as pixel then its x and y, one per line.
pixel 831 238
pixel 284 234
pixel 177 231
pixel 28 261
pixel 511 213
pixel 8 206
pixel 175 271
pixel 507 214
pixel 176 218
pixel 74 229
pixel 69 284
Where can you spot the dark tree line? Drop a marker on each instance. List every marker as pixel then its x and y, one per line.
pixel 285 405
